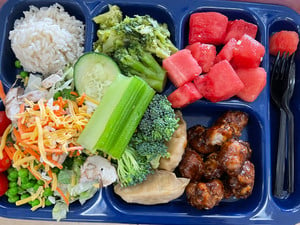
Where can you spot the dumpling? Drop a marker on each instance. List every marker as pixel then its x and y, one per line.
pixel 176 146
pixel 161 187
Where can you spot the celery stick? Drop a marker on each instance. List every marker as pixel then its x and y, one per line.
pixel 96 125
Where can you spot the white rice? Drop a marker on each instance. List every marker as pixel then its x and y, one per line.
pixel 47 39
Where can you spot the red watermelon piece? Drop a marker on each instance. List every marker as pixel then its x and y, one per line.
pixel 284 41
pixel 237 28
pixel 207 28
pixel 248 53
pixel 184 95
pixel 254 80
pixel 227 51
pixel 220 83
pixel 205 54
pixel 181 67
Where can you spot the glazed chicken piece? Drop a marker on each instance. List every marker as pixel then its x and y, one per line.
pixel 227 126
pixel 197 140
pixel 191 165
pixel 205 195
pixel 242 184
pixel 233 155
pixel 212 167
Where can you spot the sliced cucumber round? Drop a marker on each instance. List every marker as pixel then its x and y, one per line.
pixel 94 73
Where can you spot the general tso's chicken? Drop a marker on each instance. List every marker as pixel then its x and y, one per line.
pixel 191 165
pixel 212 167
pixel 197 140
pixel 205 195
pixel 12 102
pixel 233 155
pixel 242 184
pixel 227 126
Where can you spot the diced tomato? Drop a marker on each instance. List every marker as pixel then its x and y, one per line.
pixel 207 28
pixel 4 122
pixel 227 51
pixel 3 184
pixel 237 28
pixel 184 95
pixel 248 53
pixel 254 80
pixel 205 54
pixel 220 83
pixel 181 67
pixel 284 41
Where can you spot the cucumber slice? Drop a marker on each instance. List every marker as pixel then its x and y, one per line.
pixel 94 73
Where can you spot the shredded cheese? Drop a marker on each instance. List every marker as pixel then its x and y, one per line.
pixel 3 140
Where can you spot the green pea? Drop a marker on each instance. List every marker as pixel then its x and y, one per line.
pixel 13 191
pixel 23 74
pixel 35 202
pixel 24 180
pixel 14 174
pixel 10 195
pixel 47 192
pixel 23 196
pixel 28 185
pixel 18 64
pixel 40 182
pixel 13 199
pixel 23 172
pixel 11 169
pixel 11 178
pixel 13 184
pixel 48 202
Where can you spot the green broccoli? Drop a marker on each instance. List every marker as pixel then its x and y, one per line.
pixel 110 18
pixel 133 168
pixel 159 121
pixel 135 61
pixel 156 127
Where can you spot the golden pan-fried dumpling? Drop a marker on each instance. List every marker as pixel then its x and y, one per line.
pixel 161 187
pixel 176 146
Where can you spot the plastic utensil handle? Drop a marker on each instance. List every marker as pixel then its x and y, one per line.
pixel 280 163
pixel 291 153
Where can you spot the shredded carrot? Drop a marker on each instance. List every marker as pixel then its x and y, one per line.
pixel 33 173
pixel 81 100
pixel 9 152
pixel 2 92
pixel 74 93
pixel 62 195
pixel 32 152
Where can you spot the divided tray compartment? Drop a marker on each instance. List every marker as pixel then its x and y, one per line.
pixel 261 207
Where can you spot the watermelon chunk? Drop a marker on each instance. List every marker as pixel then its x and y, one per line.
pixel 284 41
pixel 184 95
pixel 248 53
pixel 220 83
pixel 254 80
pixel 181 67
pixel 205 54
pixel 207 28
pixel 237 28
pixel 227 51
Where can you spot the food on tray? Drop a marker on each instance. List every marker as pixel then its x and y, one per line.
pixel 176 146
pixel 94 73
pixel 45 40
pixel 208 28
pixel 161 187
pixel 217 163
pixel 215 77
pixel 134 43
pixel 284 41
pixel 237 28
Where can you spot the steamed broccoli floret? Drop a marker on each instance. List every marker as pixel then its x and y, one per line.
pixel 109 19
pixel 133 168
pixel 159 121
pixel 134 60
pixel 156 127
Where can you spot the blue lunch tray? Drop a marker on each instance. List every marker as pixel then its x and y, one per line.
pixel 262 130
